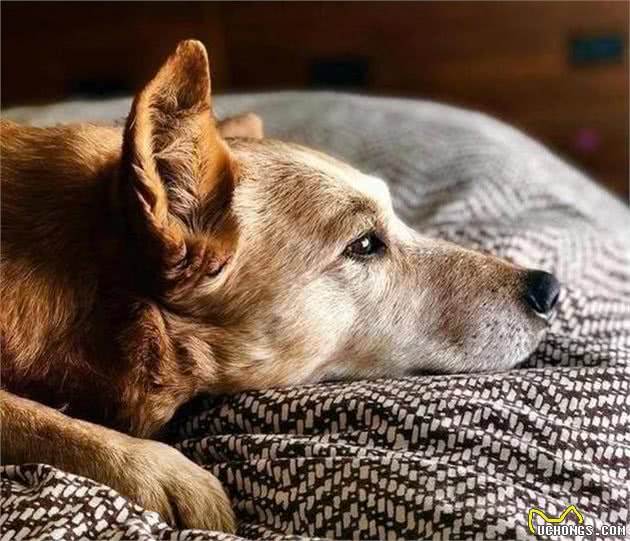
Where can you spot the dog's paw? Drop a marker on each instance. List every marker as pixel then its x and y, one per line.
pixel 160 478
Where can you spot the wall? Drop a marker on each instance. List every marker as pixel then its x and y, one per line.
pixel 558 70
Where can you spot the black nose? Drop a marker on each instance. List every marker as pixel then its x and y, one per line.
pixel 541 291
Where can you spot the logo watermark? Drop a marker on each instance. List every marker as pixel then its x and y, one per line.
pixel 556 526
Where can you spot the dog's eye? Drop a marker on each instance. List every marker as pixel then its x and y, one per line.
pixel 365 246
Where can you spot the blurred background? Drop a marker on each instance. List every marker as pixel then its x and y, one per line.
pixel 558 70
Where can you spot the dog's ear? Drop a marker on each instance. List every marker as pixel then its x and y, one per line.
pixel 177 171
pixel 243 125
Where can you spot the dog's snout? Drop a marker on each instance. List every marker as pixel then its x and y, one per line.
pixel 541 291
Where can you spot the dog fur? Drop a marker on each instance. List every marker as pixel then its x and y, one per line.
pixel 145 265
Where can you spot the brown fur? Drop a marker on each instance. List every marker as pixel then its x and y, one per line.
pixel 143 266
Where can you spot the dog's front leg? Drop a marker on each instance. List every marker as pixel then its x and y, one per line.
pixel 151 474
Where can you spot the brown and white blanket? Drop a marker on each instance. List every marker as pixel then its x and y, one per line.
pixel 440 457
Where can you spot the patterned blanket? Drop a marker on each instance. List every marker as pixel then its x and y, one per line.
pixel 441 457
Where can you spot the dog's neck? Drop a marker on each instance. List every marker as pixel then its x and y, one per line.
pixel 96 314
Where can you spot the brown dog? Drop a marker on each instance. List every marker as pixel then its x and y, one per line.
pixel 143 266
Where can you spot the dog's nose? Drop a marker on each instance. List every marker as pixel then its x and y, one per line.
pixel 541 291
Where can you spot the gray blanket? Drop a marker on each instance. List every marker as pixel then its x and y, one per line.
pixel 441 457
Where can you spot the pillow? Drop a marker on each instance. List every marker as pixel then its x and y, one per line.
pixel 461 456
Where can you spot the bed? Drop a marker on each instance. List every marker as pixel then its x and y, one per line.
pixel 439 457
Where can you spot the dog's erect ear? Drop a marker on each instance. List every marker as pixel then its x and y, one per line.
pixel 243 125
pixel 178 174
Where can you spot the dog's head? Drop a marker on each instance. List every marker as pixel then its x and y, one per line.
pixel 285 265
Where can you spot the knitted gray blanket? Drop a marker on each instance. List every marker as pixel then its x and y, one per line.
pixel 441 457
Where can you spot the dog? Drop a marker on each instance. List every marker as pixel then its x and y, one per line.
pixel 176 255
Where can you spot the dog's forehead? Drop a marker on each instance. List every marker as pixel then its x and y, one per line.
pixel 346 176
pixel 290 173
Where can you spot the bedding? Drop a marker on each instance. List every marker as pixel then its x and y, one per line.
pixel 440 457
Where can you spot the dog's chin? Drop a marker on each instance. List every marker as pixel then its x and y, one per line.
pixel 490 359
pixel 513 352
